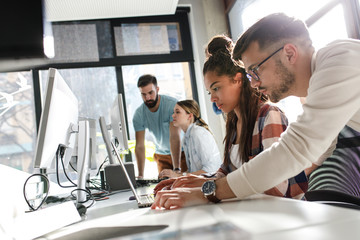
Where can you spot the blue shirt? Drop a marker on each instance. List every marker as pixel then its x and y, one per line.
pixel 200 149
pixel 157 122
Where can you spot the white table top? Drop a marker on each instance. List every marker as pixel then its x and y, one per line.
pixel 262 217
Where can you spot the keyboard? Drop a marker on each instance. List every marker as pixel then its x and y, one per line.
pixel 146 200
pixel 144 181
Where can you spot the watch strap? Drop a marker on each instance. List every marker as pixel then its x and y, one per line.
pixel 213 198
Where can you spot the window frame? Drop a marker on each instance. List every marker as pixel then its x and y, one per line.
pixel 184 55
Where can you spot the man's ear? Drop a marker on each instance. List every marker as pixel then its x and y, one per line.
pixel 291 53
pixel 157 88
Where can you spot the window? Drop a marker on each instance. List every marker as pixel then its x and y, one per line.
pixel 147 38
pixel 17 120
pixel 330 26
pixel 173 80
pixel 98 59
pixel 95 89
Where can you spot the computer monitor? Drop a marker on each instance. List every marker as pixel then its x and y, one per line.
pixel 94 163
pixel 115 178
pixel 118 124
pixel 59 119
pixel 60 126
pixel 117 127
pixel 106 138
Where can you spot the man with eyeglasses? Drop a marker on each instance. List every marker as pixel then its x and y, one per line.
pixel 280 61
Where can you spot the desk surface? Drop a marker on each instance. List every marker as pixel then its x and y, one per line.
pixel 263 217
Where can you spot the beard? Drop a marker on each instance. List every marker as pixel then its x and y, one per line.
pixel 152 103
pixel 287 80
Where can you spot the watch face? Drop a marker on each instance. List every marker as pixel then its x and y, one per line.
pixel 208 187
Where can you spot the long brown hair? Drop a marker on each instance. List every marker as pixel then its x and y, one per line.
pixel 191 106
pixel 218 53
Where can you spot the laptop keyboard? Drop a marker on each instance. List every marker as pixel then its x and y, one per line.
pixel 147 199
pixel 142 182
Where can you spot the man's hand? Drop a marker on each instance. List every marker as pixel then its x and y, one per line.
pixel 178 198
pixel 164 184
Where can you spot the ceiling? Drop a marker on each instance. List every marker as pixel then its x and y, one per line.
pixel 68 10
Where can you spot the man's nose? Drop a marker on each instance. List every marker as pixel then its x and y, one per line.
pixel 255 84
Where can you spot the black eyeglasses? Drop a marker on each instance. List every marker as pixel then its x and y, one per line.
pixel 253 72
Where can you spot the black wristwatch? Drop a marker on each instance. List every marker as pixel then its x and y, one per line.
pixel 208 189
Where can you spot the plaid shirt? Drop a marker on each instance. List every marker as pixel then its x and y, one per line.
pixel 270 123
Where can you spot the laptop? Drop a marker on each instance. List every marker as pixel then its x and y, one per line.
pixel 145 200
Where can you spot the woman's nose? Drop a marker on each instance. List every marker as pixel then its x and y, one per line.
pixel 213 98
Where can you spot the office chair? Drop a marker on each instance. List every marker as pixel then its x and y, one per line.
pixel 337 180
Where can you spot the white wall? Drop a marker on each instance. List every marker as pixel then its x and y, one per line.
pixel 206 18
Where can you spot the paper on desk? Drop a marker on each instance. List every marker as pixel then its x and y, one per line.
pixel 35 224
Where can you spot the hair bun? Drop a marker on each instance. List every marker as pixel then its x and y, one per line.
pixel 219 43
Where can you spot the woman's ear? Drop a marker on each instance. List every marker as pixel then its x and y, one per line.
pixel 191 116
pixel 238 77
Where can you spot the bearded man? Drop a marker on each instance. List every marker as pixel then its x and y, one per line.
pixel 155 115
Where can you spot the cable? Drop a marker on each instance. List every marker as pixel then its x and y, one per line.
pixel 75 170
pixel 46 191
pixel 87 199
pixel 101 165
pixel 61 151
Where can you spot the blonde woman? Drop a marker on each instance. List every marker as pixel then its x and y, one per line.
pixel 201 152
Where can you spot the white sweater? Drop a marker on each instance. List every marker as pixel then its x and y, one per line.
pixel 333 101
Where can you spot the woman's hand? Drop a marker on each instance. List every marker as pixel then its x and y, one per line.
pixel 189 181
pixel 168 173
pixel 164 185
pixel 178 198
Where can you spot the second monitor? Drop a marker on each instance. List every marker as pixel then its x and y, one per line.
pixel 114 175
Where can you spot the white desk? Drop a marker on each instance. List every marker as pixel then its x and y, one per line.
pixel 263 218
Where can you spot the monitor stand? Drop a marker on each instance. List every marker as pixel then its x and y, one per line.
pixel 83 161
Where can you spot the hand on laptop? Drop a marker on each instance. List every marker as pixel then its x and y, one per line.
pixel 164 185
pixel 177 198
pixel 188 181
pixel 169 173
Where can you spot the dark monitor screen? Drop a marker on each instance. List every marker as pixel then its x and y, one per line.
pixel 21 26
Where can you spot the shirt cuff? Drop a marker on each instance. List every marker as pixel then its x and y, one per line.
pixel 239 184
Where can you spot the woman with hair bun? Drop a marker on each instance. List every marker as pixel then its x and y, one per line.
pixel 201 152
pixel 253 124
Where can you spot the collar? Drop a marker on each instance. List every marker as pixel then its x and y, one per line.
pixel 187 134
